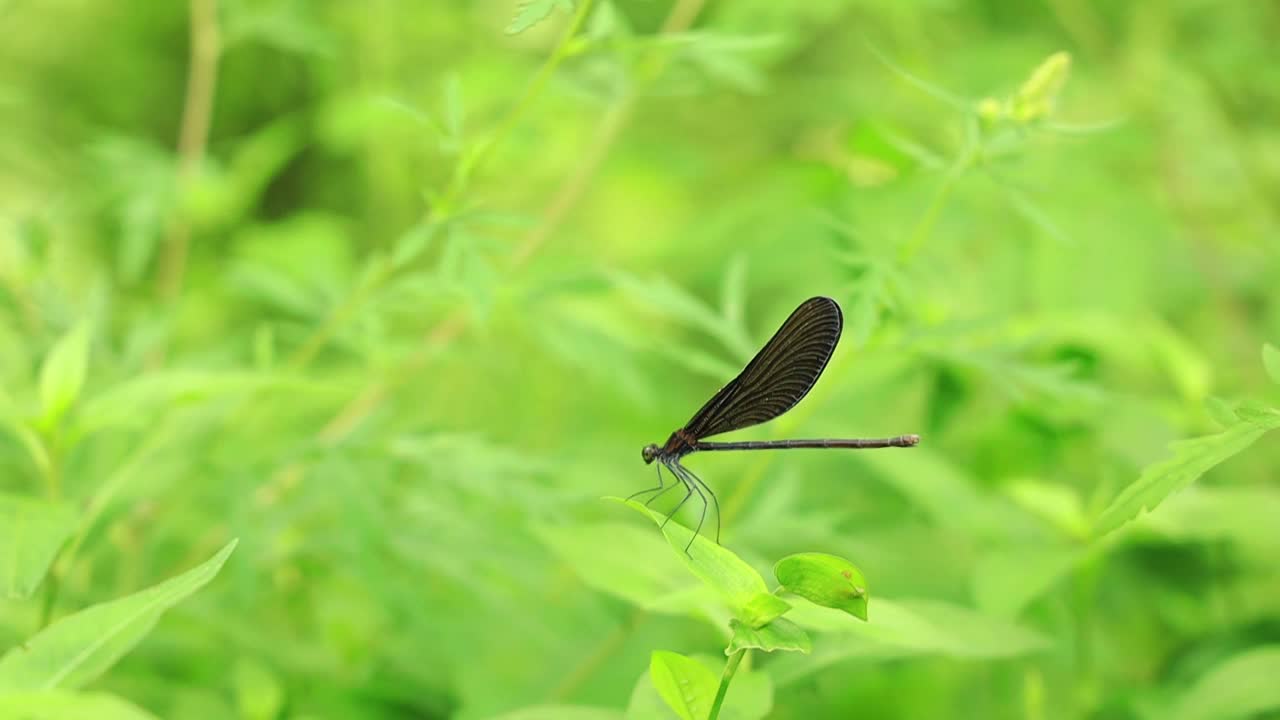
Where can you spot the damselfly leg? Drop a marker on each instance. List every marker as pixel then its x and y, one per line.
pixel 662 487
pixel 716 503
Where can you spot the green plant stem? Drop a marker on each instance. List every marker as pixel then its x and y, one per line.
pixel 52 470
pixel 469 163
pixel 1083 596
pixel 730 668
pixel 924 228
pixel 51 586
pixel 193 137
pixel 53 481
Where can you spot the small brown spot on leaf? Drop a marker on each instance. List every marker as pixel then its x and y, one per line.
pixel 847 575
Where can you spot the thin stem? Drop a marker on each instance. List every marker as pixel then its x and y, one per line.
pixel 51 586
pixel 561 51
pixel 924 228
pixel 730 668
pixel 51 469
pixel 53 480
pixel 193 137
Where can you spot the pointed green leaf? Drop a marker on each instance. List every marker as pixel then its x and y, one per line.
pixel 1191 459
pixel 684 683
pixel 762 609
pixel 736 581
pixel 781 634
pixel 31 531
pixel 1271 361
pixel 918 627
pixel 825 580
pixel 1035 99
pixel 902 629
pixel 65 705
pixel 79 647
pixel 1222 411
pixel 62 374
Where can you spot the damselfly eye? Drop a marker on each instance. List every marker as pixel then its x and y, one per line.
pixel 649 453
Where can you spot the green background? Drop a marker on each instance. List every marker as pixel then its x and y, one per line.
pixel 414 301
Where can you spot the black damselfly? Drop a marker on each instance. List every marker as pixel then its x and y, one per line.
pixel 777 378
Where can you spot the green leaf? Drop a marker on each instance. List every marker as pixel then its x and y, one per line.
pixel 729 575
pixel 31 531
pixel 1258 413
pixel 79 647
pixel 781 634
pixel 908 627
pixel 1191 459
pixel 825 580
pixel 902 628
pixel 1271 361
pixel 684 683
pixel 1240 687
pixel 1222 411
pixel 532 12
pixel 750 695
pixel 622 560
pixel 65 705
pixel 62 375
pixel 762 609
pixel 1036 98
pixel 561 712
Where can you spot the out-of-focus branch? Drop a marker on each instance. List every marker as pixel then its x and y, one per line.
pixel 462 174
pixel 566 197
pixel 193 138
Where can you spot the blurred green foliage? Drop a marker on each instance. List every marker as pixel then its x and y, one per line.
pixel 393 293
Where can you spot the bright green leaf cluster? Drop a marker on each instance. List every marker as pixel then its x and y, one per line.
pixel 1034 100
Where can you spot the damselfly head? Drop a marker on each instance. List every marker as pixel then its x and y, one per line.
pixel 649 452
